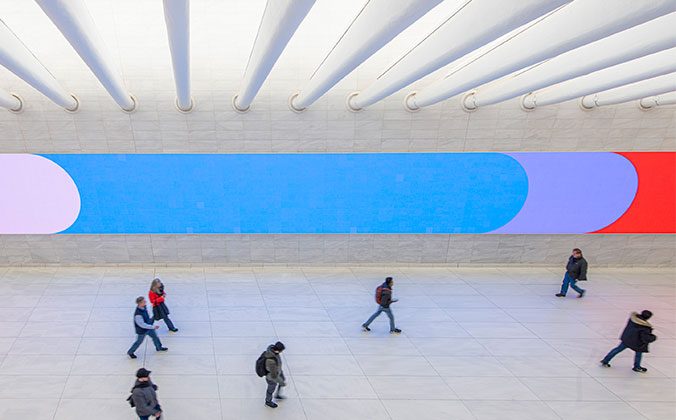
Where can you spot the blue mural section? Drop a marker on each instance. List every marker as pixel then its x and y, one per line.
pixel 296 193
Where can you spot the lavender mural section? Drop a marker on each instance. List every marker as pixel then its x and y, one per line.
pixel 36 195
pixel 573 192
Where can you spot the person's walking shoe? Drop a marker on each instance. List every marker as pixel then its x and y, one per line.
pixel 365 328
pixel 639 369
pixel 271 404
pixel 131 355
pixel 162 349
pixel 582 293
pixel 395 331
pixel 174 330
pixel 560 295
pixel 604 364
pixel 280 397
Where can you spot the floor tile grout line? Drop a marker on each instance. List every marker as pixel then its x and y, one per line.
pixel 84 331
pixel 274 330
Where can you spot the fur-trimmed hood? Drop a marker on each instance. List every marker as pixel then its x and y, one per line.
pixel 637 320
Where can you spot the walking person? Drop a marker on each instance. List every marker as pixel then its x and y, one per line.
pixel 384 300
pixel 144 396
pixel 269 365
pixel 576 269
pixel 636 336
pixel 157 297
pixel 143 324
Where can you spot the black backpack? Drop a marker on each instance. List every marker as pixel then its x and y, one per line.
pixel 130 400
pixel 261 370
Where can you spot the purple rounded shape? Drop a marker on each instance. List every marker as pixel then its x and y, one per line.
pixel 36 195
pixel 576 192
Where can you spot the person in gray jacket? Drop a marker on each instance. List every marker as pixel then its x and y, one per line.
pixel 144 396
pixel 275 376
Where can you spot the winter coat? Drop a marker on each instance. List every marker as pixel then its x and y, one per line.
pixel 386 296
pixel 638 334
pixel 160 309
pixel 273 364
pixel 145 398
pixel 577 268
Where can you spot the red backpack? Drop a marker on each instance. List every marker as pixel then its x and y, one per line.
pixel 379 293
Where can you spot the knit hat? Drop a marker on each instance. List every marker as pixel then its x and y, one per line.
pixel 142 373
pixel 646 315
pixel 279 346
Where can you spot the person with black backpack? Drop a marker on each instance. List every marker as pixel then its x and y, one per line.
pixel 384 299
pixel 636 336
pixel 143 397
pixel 269 365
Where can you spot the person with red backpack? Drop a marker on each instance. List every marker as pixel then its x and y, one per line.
pixel 383 299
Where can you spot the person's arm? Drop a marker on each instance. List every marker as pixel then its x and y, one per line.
pixel 583 270
pixel 138 319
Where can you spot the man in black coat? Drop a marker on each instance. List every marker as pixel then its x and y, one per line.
pixel 576 269
pixel 636 336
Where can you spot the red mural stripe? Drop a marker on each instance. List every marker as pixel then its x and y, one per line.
pixel 654 207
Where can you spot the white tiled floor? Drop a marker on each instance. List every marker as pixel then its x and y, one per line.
pixel 478 343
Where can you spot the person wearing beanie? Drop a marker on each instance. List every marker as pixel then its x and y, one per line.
pixel 383 299
pixel 576 269
pixel 143 325
pixel 636 336
pixel 144 396
pixel 275 376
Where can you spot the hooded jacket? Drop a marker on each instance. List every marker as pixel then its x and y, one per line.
pixel 273 364
pixel 638 334
pixel 145 399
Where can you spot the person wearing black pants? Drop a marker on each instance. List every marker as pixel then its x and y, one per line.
pixel 636 336
pixel 157 299
pixel 576 269
pixel 144 396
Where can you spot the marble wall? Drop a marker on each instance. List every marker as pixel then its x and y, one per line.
pixel 605 250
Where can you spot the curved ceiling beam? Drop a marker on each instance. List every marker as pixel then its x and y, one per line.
pixel 72 18
pixel 177 19
pixel 19 60
pixel 642 68
pixel 573 25
pixel 280 20
pixel 648 38
pixel 655 101
pixel 655 86
pixel 455 37
pixel 10 101
pixel 376 24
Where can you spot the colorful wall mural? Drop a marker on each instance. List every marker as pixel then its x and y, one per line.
pixel 532 193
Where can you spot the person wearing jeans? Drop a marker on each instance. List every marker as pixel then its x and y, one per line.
pixel 143 324
pixel 636 336
pixel 383 299
pixel 576 269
